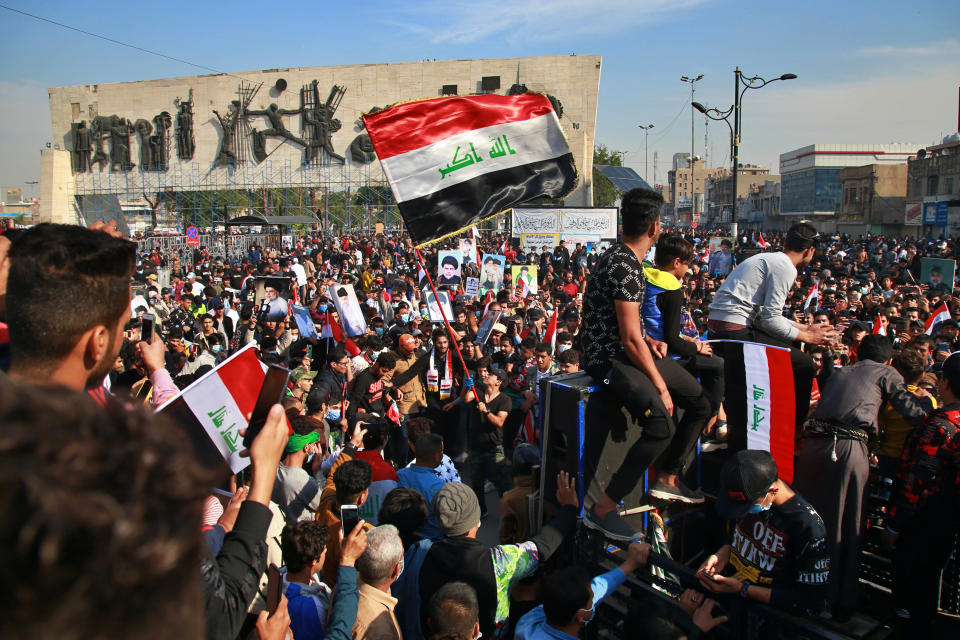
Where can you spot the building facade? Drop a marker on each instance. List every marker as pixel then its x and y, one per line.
pixel 872 199
pixel 810 177
pixel 686 195
pixel 719 192
pixel 291 136
pixel 933 189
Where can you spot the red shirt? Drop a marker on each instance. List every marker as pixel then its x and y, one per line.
pixel 571 289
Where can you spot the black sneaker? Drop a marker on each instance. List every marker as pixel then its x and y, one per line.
pixel 664 491
pixel 612 526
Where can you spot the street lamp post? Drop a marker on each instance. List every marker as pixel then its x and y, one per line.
pixel 693 163
pixel 646 135
pixel 754 82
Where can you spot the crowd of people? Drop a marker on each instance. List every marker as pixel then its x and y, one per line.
pixel 368 485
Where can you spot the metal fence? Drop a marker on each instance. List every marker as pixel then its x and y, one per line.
pixel 229 247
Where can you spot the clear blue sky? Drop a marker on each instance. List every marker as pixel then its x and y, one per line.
pixel 869 70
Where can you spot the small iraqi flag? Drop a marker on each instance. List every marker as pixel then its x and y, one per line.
pixel 213 409
pixel 939 315
pixel 455 160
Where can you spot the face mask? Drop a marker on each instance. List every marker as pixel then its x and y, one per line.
pixel 562 347
pixel 760 508
pixel 378 331
pixel 217 348
pixel 333 414
pixel 592 611
pixel 404 318
pixel 322 307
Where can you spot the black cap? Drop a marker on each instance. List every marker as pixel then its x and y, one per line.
pixel 744 479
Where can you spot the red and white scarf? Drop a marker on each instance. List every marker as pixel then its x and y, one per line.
pixel 435 383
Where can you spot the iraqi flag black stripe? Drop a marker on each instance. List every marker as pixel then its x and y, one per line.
pixel 451 209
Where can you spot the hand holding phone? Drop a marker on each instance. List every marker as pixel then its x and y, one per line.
pixel 147 327
pixel 349 518
pixel 271 393
pixel 274 582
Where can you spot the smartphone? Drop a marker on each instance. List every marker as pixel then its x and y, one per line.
pixel 943 346
pixel 274 582
pixel 271 393
pixel 310 351
pixel 146 327
pixel 349 518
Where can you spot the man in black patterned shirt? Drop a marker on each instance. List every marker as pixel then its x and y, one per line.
pixel 616 353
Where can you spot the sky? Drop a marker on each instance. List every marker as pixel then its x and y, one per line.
pixel 869 71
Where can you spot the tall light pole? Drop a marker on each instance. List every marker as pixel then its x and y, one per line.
pixel 646 135
pixel 754 82
pixel 693 184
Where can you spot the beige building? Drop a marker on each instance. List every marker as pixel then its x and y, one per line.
pixel 719 190
pixel 872 199
pixel 683 191
pixel 933 188
pixel 296 128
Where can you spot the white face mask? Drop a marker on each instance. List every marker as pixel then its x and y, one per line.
pixel 562 347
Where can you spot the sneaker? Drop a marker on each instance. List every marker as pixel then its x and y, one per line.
pixel 664 491
pixel 612 526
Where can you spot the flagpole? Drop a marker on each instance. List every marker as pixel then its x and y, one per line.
pixel 453 336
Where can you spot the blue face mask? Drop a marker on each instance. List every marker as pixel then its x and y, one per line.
pixel 217 348
pixel 759 508
pixel 378 331
pixel 333 414
pixel 404 318
pixel 322 307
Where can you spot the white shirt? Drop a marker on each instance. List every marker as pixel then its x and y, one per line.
pixel 300 273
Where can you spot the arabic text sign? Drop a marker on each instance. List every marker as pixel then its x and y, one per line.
pixel 534 221
pixel 473 286
pixel 601 222
pixel 531 241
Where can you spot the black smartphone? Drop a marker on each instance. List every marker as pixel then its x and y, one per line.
pixel 274 582
pixel 146 327
pixel 271 393
pixel 349 518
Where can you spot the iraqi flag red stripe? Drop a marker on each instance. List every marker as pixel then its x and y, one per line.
pixel 782 411
pixel 437 119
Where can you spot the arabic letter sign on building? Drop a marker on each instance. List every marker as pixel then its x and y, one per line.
pixel 581 224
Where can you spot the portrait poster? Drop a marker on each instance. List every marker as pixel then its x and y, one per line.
pixel 433 305
pixel 491 273
pixel 304 322
pixel 938 273
pixel 271 297
pixel 486 326
pixel 448 268
pixel 472 287
pixel 348 308
pixel 526 273
pixel 468 251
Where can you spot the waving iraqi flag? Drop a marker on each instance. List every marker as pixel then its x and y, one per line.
pixel 455 160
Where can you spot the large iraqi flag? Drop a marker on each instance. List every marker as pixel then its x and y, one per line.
pixel 215 407
pixel 770 402
pixel 455 160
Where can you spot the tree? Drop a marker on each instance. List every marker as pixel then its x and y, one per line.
pixel 604 193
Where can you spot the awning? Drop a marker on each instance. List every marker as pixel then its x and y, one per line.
pixel 256 221
pixel 623 178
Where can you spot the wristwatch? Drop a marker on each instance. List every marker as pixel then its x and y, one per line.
pixel 743 589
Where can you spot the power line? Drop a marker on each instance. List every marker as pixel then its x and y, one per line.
pixel 112 40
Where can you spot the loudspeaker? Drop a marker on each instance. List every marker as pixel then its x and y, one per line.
pixel 490 83
pixel 580 419
pixel 280 85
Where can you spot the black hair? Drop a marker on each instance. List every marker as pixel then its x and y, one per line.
pixel 639 209
pixel 387 360
pixel 351 479
pixel 570 356
pixel 951 373
pixel 404 508
pixel 302 543
pixel 564 592
pixel 453 611
pixel 428 445
pixel 55 267
pixel 670 247
pixel 800 237
pixel 543 347
pixel 875 347
pixel 376 437
pixel 339 352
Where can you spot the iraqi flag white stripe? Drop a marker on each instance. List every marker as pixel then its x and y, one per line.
pixel 940 314
pixel 758 408
pixel 417 173
pixel 213 401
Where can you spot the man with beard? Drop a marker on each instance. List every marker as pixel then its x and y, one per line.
pixel 68 300
pixel 749 307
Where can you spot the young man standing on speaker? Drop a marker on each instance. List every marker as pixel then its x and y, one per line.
pixel 617 355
